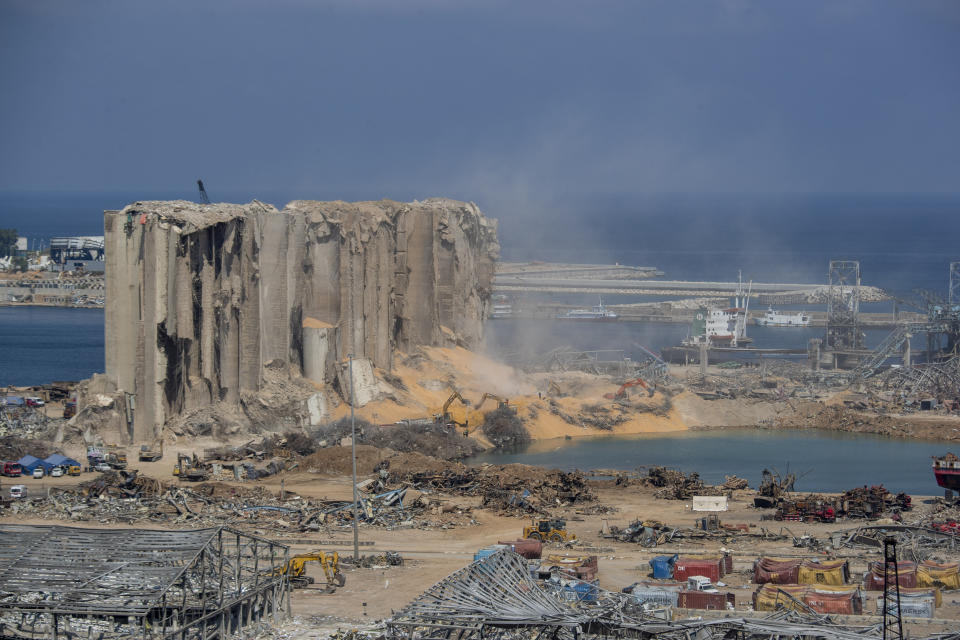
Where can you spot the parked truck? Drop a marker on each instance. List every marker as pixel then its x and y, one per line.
pixel 12 469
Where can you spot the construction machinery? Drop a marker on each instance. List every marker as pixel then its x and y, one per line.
pixel 477 416
pixel 116 458
pixel 151 453
pixel 190 468
pixel 622 391
pixel 296 569
pixel 552 530
pixel 444 417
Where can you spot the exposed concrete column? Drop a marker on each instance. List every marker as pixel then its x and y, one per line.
pixel 319 351
pixel 704 358
pixel 906 352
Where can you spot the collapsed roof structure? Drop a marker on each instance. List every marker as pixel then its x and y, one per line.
pixel 111 583
pixel 496 599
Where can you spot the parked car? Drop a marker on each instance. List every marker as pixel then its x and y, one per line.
pixel 103 466
pixel 35 402
pixel 38 473
pixel 18 491
pixel 56 472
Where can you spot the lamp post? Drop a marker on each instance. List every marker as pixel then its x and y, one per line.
pixel 353 455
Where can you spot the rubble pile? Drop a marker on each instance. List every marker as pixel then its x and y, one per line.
pixel 513 488
pixel 14 447
pixel 673 484
pixel 21 423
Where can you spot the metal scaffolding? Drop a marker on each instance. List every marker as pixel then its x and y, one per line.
pixel 843 307
pixel 201 584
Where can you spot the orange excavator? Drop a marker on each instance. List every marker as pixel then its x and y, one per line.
pixel 622 391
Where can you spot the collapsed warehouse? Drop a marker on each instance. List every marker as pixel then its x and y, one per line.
pixel 101 583
pixel 201 299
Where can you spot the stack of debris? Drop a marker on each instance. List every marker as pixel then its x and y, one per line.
pixel 673 484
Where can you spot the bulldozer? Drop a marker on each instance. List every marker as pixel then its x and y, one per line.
pixel 551 530
pixel 296 569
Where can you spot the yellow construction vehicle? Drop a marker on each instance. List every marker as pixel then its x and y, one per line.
pixel 476 417
pixel 73 470
pixel 296 569
pixel 444 417
pixel 552 530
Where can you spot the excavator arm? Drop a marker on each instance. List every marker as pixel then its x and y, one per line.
pixel 622 391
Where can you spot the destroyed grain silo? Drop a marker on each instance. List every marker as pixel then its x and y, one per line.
pixel 203 299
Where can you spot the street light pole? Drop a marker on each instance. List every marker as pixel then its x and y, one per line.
pixel 353 455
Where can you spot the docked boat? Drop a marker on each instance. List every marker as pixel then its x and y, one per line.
pixel 596 312
pixel 946 469
pixel 778 319
pixel 716 329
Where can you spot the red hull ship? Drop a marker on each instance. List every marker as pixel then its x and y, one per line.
pixel 947 471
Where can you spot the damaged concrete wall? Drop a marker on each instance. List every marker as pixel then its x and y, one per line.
pixel 201 297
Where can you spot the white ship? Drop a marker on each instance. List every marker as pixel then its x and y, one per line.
pixel 596 312
pixel 722 327
pixel 777 319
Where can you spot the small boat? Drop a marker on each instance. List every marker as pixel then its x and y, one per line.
pixel 777 319
pixel 596 312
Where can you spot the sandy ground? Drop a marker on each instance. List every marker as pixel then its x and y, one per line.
pixel 433 553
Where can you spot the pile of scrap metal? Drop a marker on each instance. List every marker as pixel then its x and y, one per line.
pixel 673 484
pixel 389 508
pixel 375 560
pixel 872 502
pixel 510 488
pixel 496 598
pixel 648 533
pixel 917 543
pixel 863 502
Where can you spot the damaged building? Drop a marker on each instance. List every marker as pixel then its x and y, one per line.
pixel 201 298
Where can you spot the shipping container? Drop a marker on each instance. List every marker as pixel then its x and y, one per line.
pixel 942 576
pixel 776 570
pixel 911 607
pixel 656 595
pixel 906 576
pixel 705 600
pixel 526 547
pixel 686 567
pixel 840 603
pixel 831 572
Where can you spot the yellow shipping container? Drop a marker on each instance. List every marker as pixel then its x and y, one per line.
pixel 944 576
pixel 831 572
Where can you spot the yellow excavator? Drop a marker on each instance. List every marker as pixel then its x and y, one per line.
pixel 475 418
pixel 296 569
pixel 444 417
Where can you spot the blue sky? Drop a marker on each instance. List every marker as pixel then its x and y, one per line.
pixel 495 102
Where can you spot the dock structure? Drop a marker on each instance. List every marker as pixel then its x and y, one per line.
pixel 201 584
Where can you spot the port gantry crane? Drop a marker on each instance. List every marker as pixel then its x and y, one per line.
pixel 203 193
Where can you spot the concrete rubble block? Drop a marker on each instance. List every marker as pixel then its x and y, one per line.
pixel 366 386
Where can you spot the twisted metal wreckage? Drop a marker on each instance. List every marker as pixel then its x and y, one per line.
pixel 496 598
pixel 100 584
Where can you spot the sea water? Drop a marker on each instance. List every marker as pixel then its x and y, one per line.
pixel 823 460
